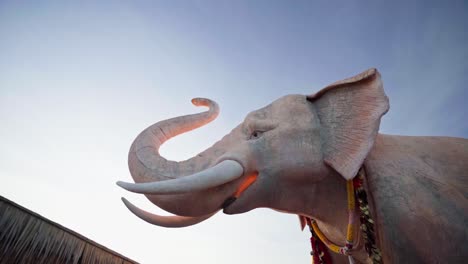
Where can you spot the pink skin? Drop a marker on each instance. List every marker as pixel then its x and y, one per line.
pixel 304 148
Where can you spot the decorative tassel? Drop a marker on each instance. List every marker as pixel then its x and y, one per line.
pixel 367 224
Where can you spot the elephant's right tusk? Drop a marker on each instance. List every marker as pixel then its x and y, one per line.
pixel 217 175
pixel 165 221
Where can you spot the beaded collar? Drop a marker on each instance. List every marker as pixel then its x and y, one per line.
pixel 318 240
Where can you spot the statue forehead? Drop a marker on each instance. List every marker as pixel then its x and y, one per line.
pixel 286 105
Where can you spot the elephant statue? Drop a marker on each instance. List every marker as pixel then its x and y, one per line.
pixel 298 155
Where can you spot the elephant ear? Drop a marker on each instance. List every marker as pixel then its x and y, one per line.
pixel 349 112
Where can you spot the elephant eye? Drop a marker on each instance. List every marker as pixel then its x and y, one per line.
pixel 256 134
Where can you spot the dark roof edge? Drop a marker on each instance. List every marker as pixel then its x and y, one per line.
pixel 79 236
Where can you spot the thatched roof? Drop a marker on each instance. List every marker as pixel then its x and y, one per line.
pixel 27 237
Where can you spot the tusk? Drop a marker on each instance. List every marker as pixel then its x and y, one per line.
pixel 219 174
pixel 165 221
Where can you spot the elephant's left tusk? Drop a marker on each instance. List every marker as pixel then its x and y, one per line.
pixel 165 221
pixel 219 174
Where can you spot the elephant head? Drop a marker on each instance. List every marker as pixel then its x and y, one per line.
pixel 277 158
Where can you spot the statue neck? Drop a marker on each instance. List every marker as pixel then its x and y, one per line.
pixel 328 206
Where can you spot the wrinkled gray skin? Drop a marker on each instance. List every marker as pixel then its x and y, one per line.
pixel 304 148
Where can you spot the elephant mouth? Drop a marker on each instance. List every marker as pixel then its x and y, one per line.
pixel 248 181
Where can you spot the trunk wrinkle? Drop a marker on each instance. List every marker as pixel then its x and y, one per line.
pixel 164 134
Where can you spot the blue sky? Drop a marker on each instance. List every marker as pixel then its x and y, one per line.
pixel 79 80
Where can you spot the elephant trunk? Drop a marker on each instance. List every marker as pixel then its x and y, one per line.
pixel 144 161
pixel 193 189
